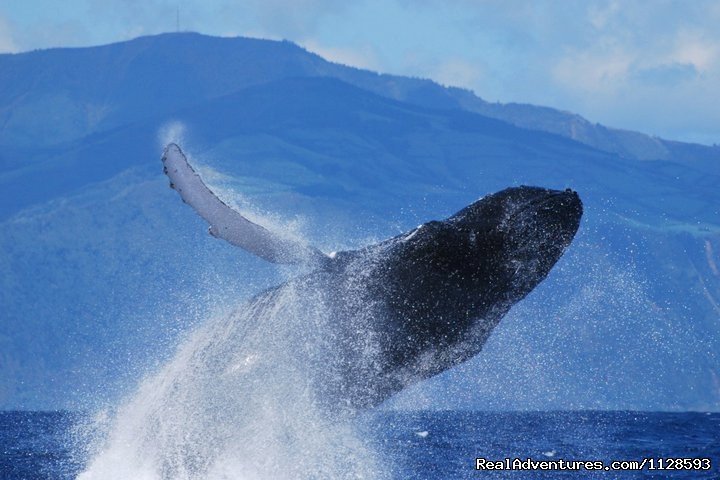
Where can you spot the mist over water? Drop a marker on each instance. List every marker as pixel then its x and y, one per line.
pixel 238 402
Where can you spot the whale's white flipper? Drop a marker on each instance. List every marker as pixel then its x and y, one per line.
pixel 228 224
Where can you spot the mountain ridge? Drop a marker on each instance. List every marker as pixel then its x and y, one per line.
pixel 276 59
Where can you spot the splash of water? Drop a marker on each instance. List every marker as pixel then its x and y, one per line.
pixel 238 401
pixel 171 132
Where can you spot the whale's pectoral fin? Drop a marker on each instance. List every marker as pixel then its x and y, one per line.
pixel 228 224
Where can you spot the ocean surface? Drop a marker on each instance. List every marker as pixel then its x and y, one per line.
pixel 438 445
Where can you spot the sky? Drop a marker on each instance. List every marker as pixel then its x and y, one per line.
pixel 651 66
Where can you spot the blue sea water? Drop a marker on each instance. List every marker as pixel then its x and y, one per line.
pixel 438 445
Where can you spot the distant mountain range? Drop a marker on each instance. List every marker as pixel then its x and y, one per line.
pixel 59 95
pixel 102 268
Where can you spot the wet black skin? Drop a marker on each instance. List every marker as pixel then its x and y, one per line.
pixel 431 297
pixel 415 305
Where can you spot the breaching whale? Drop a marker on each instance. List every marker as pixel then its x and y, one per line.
pixel 412 306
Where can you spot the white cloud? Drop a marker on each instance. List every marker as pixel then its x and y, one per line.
pixel 258 33
pixel 361 57
pixel 593 72
pixel 660 78
pixel 458 73
pixel 600 15
pixel 287 19
pixel 7 42
pixel 694 48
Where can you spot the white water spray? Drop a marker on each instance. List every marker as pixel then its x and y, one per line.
pixel 238 402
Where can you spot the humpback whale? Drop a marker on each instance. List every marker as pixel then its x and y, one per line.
pixel 414 305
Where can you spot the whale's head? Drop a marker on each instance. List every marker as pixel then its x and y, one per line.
pixel 446 284
pixel 510 239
